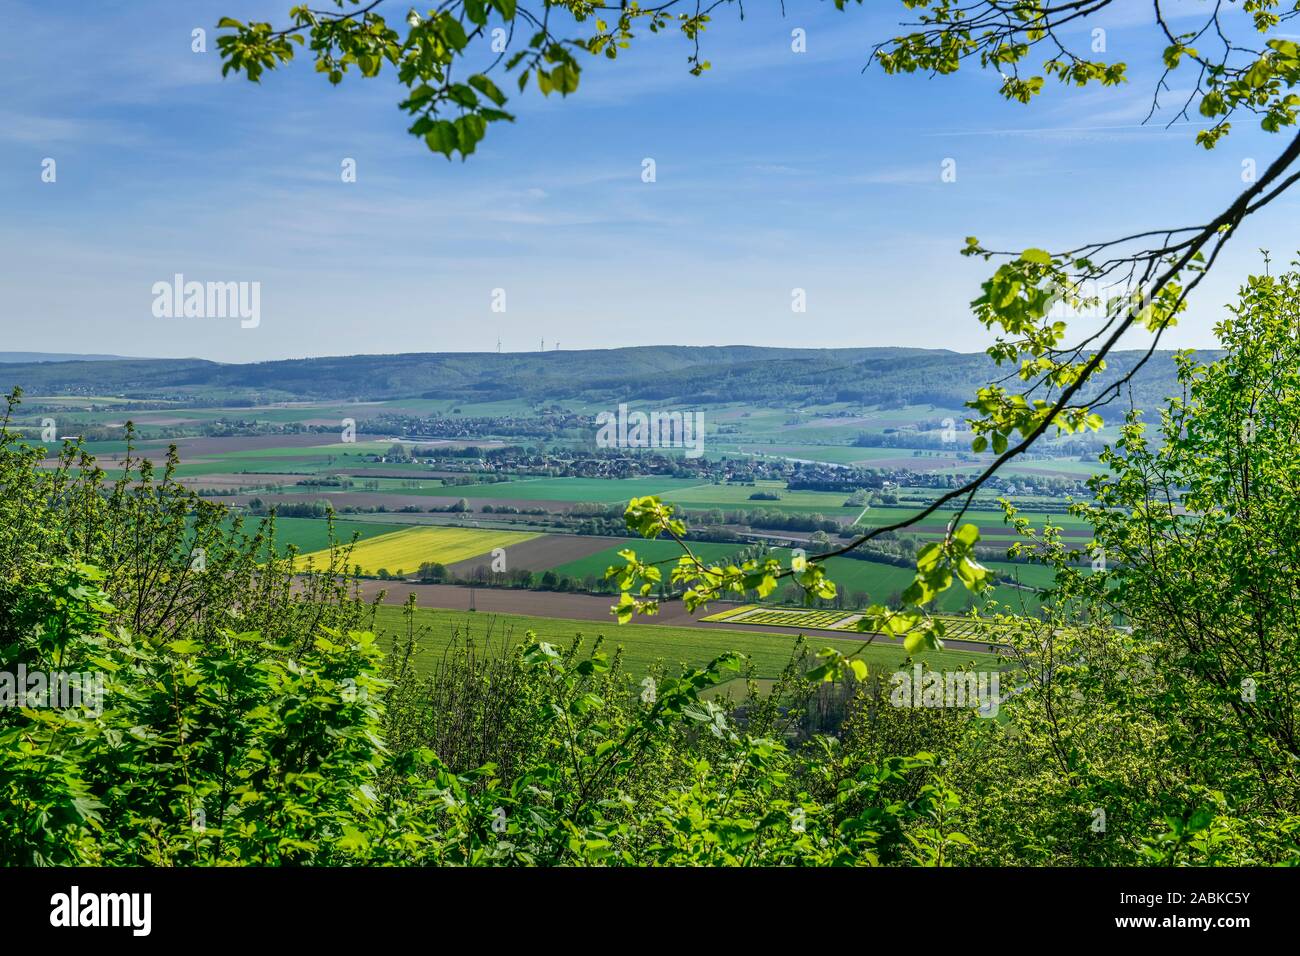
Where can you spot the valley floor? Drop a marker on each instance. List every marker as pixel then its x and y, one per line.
pixel 588 607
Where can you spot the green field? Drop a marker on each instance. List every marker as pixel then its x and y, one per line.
pixel 992 523
pixel 881 582
pixel 599 490
pixel 687 493
pixel 312 534
pixel 1030 575
pixel 810 618
pixel 657 550
pixel 957 628
pixel 74 401
pixel 608 491
pixel 643 644
pixel 736 497
pixel 275 461
pixel 965 629
pixel 98 448
pixel 831 454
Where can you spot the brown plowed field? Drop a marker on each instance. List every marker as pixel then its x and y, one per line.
pixel 539 554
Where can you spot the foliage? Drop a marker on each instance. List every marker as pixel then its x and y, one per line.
pixel 1168 740
pixel 247 716
pixel 452 115
pixel 237 751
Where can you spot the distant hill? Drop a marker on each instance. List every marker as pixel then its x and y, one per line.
pixel 9 357
pixel 668 374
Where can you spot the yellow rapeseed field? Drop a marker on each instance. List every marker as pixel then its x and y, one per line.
pixel 406 550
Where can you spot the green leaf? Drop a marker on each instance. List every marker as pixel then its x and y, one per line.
pixel 443 138
pixel 565 78
pixel 487 88
pixel 470 128
pixel 453 33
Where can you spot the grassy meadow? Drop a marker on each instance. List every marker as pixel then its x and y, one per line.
pixel 643 645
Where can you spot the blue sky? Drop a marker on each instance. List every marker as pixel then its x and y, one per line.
pixel 775 171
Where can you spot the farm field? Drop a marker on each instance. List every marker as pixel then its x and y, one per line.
pixel 965 629
pixel 407 549
pixel 957 627
pixel 1035 468
pixel 644 645
pixel 989 521
pixel 823 425
pixel 581 557
pixel 539 553
pixel 453 408
pixel 831 454
pixel 599 490
pixel 881 582
pixel 943 463
pixel 320 448
pixel 195 463
pixel 657 550
pixel 811 618
pixel 603 490
pixel 312 534
pixel 734 497
pixel 75 401
pixel 878 579
pixel 1030 575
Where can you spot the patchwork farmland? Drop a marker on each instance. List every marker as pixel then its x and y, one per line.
pixel 463 497
pixel 820 620
pixel 407 549
pixel 965 629
pixel 651 551
pixel 307 535
pixel 644 646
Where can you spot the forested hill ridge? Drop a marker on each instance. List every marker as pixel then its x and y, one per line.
pixel 667 374
pixel 9 357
